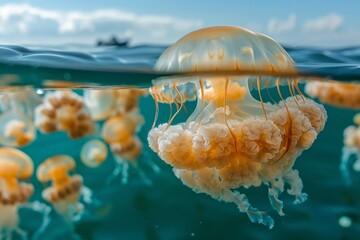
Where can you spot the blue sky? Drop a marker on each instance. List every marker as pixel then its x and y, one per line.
pixel 311 23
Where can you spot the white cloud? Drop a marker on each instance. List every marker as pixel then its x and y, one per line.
pixel 278 26
pixel 330 22
pixel 27 23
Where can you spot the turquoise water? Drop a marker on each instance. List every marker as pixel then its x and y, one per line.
pixel 167 209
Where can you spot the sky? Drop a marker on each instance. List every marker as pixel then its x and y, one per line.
pixel 296 23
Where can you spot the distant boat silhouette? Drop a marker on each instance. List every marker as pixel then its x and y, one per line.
pixel 113 41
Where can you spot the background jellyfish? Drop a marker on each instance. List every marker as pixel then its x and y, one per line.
pixel 93 153
pixel 63 111
pixel 120 133
pixel 232 140
pixel 65 191
pixel 14 166
pixel 16 119
pixel 104 103
pixel 345 95
pixel 351 147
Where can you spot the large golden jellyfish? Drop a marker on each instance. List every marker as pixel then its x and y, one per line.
pixel 65 192
pixel 346 95
pixel 351 147
pixel 231 140
pixel 14 166
pixel 64 111
pixel 17 105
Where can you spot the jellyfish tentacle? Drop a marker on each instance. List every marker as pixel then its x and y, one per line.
pixel 202 103
pixel 178 108
pixel 156 109
pixel 288 131
pixel 261 100
pixel 292 93
pixel 269 95
pixel 115 173
pixel 43 209
pixel 225 113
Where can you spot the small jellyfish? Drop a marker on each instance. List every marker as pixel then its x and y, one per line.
pixel 14 166
pixel 64 111
pixel 17 127
pixel 120 133
pixel 232 140
pixel 346 95
pixel 94 153
pixel 351 147
pixel 65 192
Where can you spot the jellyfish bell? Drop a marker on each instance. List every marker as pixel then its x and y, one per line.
pixel 65 192
pixel 127 100
pixel 64 111
pixel 345 95
pixel 233 140
pixel 100 102
pixel 16 116
pixel 14 166
pixel 94 153
pixel 118 129
pixel 16 129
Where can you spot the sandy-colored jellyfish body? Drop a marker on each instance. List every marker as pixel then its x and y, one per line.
pixel 94 153
pixel 65 191
pixel 17 127
pixel 232 140
pixel 14 166
pixel 345 95
pixel 64 111
pixel 351 147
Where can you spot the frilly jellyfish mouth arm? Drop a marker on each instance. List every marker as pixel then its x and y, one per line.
pixel 255 215
pixel 276 188
pixel 296 185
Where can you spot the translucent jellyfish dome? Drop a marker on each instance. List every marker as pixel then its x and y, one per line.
pixel 225 48
pixel 233 140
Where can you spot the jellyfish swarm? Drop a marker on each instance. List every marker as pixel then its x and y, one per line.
pixel 231 140
pixel 14 166
pixel 346 95
pixel 65 192
pixel 63 111
pixel 351 147
pixel 17 105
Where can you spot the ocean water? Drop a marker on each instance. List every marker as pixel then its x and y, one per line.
pixel 167 209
